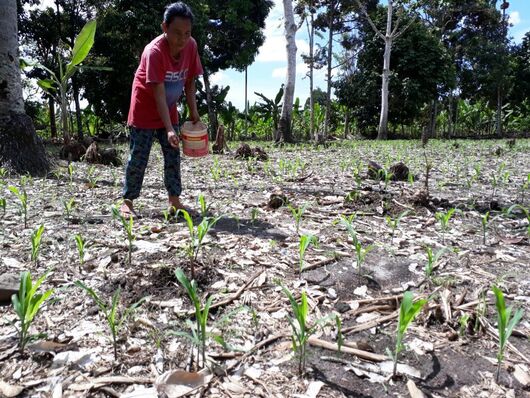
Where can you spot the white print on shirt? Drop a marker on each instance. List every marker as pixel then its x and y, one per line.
pixel 176 76
pixel 174 84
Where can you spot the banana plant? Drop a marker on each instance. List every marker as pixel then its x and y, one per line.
pixel 57 83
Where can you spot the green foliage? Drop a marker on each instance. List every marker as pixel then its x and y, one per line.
pixel 347 222
pixel 68 206
pixel 443 218
pixel 199 334
pixel 27 303
pixel 80 244
pixel 202 203
pixel 305 242
pixel 297 213
pixel 57 85
pixel 270 108
pixel 407 312
pixel 484 219
pixel 36 238
pixel 127 225
pixel 360 254
pixel 197 234
pixel 92 177
pixel 393 223
pixel 506 324
pixel 23 201
pixel 3 204
pixel 301 331
pixel 432 260
pixel 110 311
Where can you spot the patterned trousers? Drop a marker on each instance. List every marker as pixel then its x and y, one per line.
pixel 140 144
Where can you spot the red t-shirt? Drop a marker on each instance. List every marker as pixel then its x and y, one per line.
pixel 157 66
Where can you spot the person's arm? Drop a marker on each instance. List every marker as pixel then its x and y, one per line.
pixel 159 92
pixel 191 100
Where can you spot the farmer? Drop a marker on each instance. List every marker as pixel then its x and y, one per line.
pixel 169 64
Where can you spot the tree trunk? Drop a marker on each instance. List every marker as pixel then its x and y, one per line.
pixel 53 122
pixel 75 87
pixel 284 127
pixel 499 111
pixel 382 133
pixel 346 125
pixel 212 117
pixel 432 119
pixel 20 149
pixel 329 60
pixel 311 82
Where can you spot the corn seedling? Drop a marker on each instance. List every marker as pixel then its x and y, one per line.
pixel 393 223
pixel 300 329
pixel 70 173
pixel 340 337
pixel 254 212
pixel 202 204
pixel 80 243
pixel 463 322
pixel 167 215
pixel 68 206
pixel 27 303
pixel 199 334
pixel 36 239
pixel 110 310
pixel 352 196
pixel 297 213
pixel 197 235
pixel 347 222
pixel 92 177
pixel 305 242
pixel 525 211
pixel 385 176
pixel 506 324
pixel 23 201
pixel 407 312
pixel 410 179
pixel 215 170
pixel 3 204
pixel 443 218
pixel 360 254
pixel 3 172
pixel 484 219
pixel 127 227
pixel 432 260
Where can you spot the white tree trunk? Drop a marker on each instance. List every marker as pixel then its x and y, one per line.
pixel 312 133
pixel 382 132
pixel 329 60
pixel 288 96
pixel 11 100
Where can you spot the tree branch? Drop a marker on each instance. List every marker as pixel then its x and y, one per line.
pixel 363 10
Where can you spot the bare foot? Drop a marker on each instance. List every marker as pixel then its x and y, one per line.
pixel 174 205
pixel 126 209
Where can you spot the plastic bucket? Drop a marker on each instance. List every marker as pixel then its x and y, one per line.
pixel 194 139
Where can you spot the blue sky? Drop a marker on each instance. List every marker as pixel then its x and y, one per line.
pixel 268 71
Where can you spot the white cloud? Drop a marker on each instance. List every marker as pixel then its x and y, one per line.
pixel 219 78
pixel 273 50
pixel 515 18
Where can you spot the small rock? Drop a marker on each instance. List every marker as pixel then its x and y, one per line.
pixel 341 307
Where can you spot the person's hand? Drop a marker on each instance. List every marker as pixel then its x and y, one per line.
pixel 173 139
pixel 194 116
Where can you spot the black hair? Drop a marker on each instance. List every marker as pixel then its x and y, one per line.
pixel 178 9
